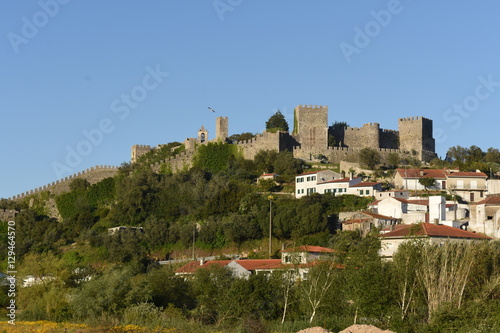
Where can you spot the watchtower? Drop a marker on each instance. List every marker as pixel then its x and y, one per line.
pixel 221 129
pixel 415 133
pixel 138 150
pixel 311 126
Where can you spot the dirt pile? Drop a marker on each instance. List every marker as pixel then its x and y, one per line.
pixel 364 329
pixel 350 329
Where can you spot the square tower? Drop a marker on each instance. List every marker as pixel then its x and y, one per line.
pixel 221 129
pixel 202 135
pixel 311 126
pixel 415 133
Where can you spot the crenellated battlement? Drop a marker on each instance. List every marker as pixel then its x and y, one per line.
pixel 108 169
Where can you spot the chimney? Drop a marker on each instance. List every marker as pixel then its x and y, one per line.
pixel 421 173
pixel 436 221
pixel 350 175
pixel 202 261
pixel 391 227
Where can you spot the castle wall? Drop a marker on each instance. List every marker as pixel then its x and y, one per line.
pixel 367 136
pixel 181 161
pixel 264 141
pixel 311 128
pixel 7 214
pixel 93 175
pixel 389 139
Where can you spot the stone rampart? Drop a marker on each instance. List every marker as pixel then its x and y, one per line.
pixel 93 175
pixel 181 161
pixel 367 136
pixel 8 214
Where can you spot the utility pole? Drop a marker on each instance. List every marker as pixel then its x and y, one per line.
pixel 194 237
pixel 270 198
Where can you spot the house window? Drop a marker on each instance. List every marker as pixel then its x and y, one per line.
pixel 361 192
pixel 367 192
pixel 313 178
pixel 298 191
pixel 308 179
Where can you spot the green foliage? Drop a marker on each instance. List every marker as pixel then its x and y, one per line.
pixel 369 157
pixel 393 159
pixel 427 182
pixel 214 157
pixel 242 137
pixel 277 122
pixel 79 183
pixel 161 153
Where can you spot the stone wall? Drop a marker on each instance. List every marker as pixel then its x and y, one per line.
pixel 181 161
pixel 278 141
pixel 389 139
pixel 92 175
pixel 367 136
pixel 7 214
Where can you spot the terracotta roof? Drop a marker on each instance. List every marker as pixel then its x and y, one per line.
pixel 352 221
pixel 253 264
pixel 467 174
pixel 309 248
pixel 374 203
pixel 489 201
pixel 307 173
pixel 432 230
pixel 267 175
pixel 419 173
pixel 366 184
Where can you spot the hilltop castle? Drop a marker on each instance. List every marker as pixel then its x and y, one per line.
pixel 310 138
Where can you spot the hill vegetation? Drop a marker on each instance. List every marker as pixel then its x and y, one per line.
pixel 89 275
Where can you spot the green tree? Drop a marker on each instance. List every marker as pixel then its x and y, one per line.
pixel 427 182
pixel 369 157
pixel 79 183
pixel 277 122
pixel 393 159
pixel 214 157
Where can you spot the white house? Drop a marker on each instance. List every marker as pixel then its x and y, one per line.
pixel 433 233
pixel 365 189
pixel 325 181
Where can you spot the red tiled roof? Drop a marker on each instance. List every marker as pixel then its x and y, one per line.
pixel 352 221
pixel 253 264
pixel 421 202
pixel 366 184
pixel 309 248
pixel 267 175
pixel 489 201
pixel 374 203
pixel 307 173
pixel 467 174
pixel 432 230
pixel 419 173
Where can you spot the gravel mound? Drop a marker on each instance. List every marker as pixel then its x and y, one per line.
pixel 364 329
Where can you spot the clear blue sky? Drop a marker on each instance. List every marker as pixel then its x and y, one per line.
pixel 65 69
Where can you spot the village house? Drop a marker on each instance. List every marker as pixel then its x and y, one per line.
pixel 485 216
pixel 470 186
pixel 301 259
pixel 433 233
pixel 327 181
pixel 365 189
pixel 365 221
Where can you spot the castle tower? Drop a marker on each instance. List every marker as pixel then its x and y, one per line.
pixel 138 150
pixel 202 135
pixel 221 129
pixel 415 133
pixel 311 126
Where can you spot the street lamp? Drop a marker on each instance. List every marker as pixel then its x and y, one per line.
pixel 270 198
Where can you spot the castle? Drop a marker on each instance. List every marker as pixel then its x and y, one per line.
pixel 310 138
